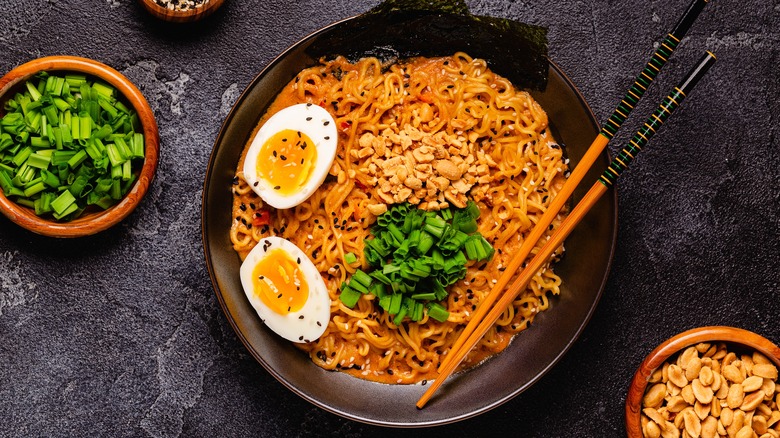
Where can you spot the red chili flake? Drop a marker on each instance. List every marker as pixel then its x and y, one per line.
pixel 261 218
pixel 360 185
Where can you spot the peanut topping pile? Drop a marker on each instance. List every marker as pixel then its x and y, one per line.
pixel 710 392
pixel 428 170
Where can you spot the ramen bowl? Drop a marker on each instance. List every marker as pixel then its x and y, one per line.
pixel 584 268
pixel 92 221
pixel 739 341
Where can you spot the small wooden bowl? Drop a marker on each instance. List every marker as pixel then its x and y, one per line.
pixel 189 15
pixel 730 335
pixel 90 222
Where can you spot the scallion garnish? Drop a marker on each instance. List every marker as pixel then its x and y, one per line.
pixel 415 255
pixel 66 143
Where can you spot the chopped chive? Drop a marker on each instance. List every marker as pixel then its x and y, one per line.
pixel 438 312
pixel 39 161
pixel 62 202
pixel 362 278
pixel 52 155
pixel 349 296
pixel 77 158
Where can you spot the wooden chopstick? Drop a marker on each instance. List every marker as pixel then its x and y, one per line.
pixel 627 104
pixel 607 179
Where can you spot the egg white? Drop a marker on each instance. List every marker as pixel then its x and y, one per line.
pixel 315 310
pixel 310 119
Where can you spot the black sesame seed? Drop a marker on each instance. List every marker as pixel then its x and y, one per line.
pixel 300 317
pixel 283 157
pixel 327 137
pixel 242 207
pixel 319 324
pixel 303 146
pixel 298 260
pixel 274 153
pixel 279 296
pixel 326 123
pixel 277 187
pixel 308 119
pixel 255 184
pixel 300 338
pixel 308 104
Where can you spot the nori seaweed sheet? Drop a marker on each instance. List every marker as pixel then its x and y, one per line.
pixel 399 29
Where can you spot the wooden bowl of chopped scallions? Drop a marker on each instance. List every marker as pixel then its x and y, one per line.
pixel 78 146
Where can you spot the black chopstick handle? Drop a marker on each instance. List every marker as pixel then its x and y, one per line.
pixel 667 107
pixel 686 21
pixel 651 70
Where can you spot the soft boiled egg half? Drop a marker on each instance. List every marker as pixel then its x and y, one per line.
pixel 291 155
pixel 286 290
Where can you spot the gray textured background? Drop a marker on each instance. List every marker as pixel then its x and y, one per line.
pixel 120 334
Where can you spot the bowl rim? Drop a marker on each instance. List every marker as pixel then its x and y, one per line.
pixel 177 16
pixel 216 284
pixel 678 343
pixel 99 221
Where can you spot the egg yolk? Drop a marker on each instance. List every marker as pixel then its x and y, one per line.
pixel 279 281
pixel 286 161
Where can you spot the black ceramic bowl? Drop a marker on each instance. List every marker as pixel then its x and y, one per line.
pixel 584 268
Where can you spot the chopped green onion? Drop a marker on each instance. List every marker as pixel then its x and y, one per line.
pixel 400 316
pixel 62 202
pixel 350 258
pixel 438 312
pixel 362 278
pixel 39 161
pixel 349 296
pixel 415 255
pixel 52 157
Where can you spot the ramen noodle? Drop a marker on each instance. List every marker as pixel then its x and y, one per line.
pixel 511 167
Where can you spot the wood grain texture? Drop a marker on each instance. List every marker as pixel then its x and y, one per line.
pixel 95 221
pixel 190 15
pixel 678 343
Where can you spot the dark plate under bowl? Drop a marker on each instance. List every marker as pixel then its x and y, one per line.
pixel 584 268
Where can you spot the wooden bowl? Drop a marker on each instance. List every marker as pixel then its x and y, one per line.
pixel 739 338
pixel 189 15
pixel 90 222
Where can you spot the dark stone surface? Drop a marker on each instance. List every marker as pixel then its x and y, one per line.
pixel 120 334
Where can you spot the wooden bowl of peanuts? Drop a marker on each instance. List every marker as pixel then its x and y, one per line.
pixel 707 382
